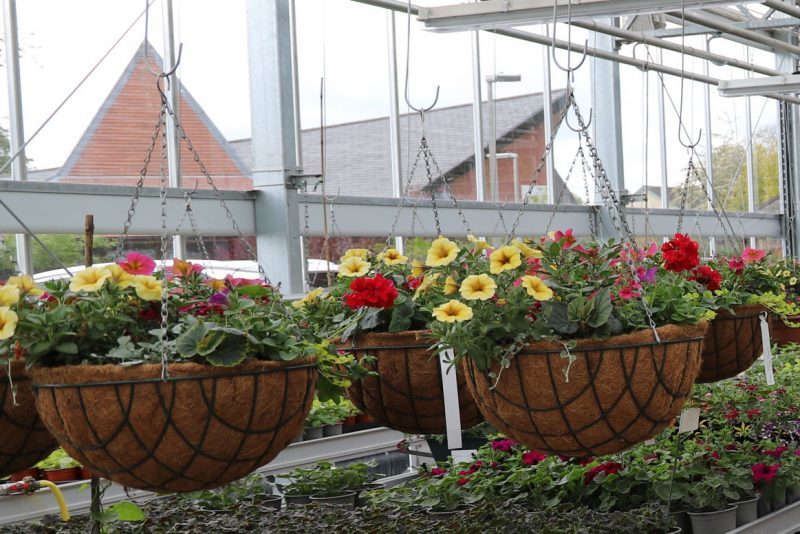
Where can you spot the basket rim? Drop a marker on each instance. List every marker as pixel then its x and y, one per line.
pixel 248 368
pixel 422 336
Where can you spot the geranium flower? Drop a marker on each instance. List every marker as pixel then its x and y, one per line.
pixel 536 288
pixel 26 284
pixel 680 253
pixel 763 473
pixel 609 468
pixel 119 276
pixel 452 311
pixel 566 238
pixel 137 263
pixel 533 457
pixel 504 445
pixel 736 265
pixel 478 287
pixel 9 295
pixel 377 292
pixel 90 279
pixel 148 287
pixel 776 452
pixel 354 266
pixel 393 257
pixel 627 293
pixel 450 286
pixel 183 268
pixel 708 277
pixel 310 297
pixel 504 258
pixel 752 254
pixel 479 243
pixel 355 253
pixel 8 322
pixel 442 252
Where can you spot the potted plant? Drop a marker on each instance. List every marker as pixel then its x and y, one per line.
pixel 785 271
pixel 558 347
pixel 60 467
pixel 744 288
pixel 710 510
pixel 191 402
pixel 377 312
pixel 340 485
pixel 301 485
pixel 24 440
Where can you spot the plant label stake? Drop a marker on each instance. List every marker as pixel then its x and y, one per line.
pixel 452 413
pixel 690 420
pixel 767 349
pixel 463 455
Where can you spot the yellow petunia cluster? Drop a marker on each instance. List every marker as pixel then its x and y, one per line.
pixel 93 279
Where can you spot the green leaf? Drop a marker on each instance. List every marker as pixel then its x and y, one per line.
pixel 401 317
pixel 371 319
pixel 602 309
pixel 127 511
pixel 210 342
pixel 190 341
pixel 232 351
pixel 67 347
pixel 254 291
pixel 559 321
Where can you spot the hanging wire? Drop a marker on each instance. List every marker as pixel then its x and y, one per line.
pixel 688 144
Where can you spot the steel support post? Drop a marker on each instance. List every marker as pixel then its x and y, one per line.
pixel 273 134
pixel 477 116
pixel 394 116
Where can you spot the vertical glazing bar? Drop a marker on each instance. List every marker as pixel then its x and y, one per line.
pixel 394 116
pixel 298 130
pixel 493 185
pixel 274 154
pixel 547 110
pixel 712 242
pixel 16 131
pixel 662 138
pixel 477 116
pixel 751 181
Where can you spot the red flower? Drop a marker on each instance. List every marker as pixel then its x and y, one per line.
pixel 776 452
pixel 461 481
pixel 680 253
pixel 731 415
pixel 609 468
pixel 753 412
pixel 377 292
pixel 586 461
pixel 653 456
pixel 438 472
pixel 414 282
pixel 764 473
pixel 708 277
pixel 736 265
pixel 752 254
pixel 565 238
pixel 731 447
pixel 503 444
pixel 151 313
pixel 533 457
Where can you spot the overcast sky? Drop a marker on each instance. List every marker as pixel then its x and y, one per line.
pixel 343 41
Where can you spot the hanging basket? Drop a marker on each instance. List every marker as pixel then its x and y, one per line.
pixel 24 440
pixel 782 334
pixel 620 391
pixel 732 344
pixel 203 427
pixel 406 394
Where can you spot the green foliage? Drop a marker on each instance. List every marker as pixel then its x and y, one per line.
pixel 326 480
pixel 58 459
pixel 69 249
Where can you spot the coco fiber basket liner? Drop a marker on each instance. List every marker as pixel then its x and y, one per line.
pixel 203 427
pixel 407 394
pixel 732 344
pixel 24 440
pixel 620 391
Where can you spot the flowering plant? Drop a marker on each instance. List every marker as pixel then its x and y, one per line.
pixel 552 289
pixel 113 314
pixel 372 293
pixel 786 272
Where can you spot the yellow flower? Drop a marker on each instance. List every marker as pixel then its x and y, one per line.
pixel 792 280
pixel 89 279
pixel 478 287
pixel 355 253
pixel 503 259
pixel 217 284
pixel 427 281
pixel 25 284
pixel 786 273
pixel 9 295
pixel 8 322
pixel 536 288
pixel 417 268
pixel 526 251
pixel 312 296
pixel 119 276
pixel 450 286
pixel 147 287
pixel 452 311
pixel 354 266
pixel 479 243
pixel 393 257
pixel 442 252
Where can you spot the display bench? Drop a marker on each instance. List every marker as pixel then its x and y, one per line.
pixel 350 446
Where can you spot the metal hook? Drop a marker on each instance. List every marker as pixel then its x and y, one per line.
pixel 688 145
pixel 646 66
pixel 579 129
pixel 569 68
pixel 162 74
pixel 421 110
pixel 332 199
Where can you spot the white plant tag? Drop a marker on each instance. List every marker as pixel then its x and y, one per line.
pixel 690 420
pixel 650 441
pixel 765 342
pixel 461 456
pixel 452 412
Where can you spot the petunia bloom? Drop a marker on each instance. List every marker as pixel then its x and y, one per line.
pixel 536 288
pixel 450 286
pixel 442 252
pixel 8 322
pixel 753 254
pixel 355 253
pixel 503 259
pixel 90 279
pixel 26 285
pixel 763 473
pixel 533 457
pixel 354 266
pixel 137 263
pixel 9 295
pixel 478 287
pixel 452 311
pixel 148 287
pixel 393 257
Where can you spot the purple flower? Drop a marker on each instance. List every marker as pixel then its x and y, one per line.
pixel 647 276
pixel 220 298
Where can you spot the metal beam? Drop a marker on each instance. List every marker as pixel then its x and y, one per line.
pixel 729 28
pixel 477 117
pixel 640 37
pixel 783 7
pixel 768 24
pixel 663 222
pixel 273 133
pixel 57 208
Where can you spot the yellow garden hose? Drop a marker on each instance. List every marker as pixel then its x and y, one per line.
pixel 59 498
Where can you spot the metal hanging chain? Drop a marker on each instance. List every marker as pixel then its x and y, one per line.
pixel 684 192
pixel 728 237
pixel 402 199
pixel 450 193
pixel 426 157
pixel 164 241
pixel 140 183
pixel 540 166
pixel 587 172
pixel 561 194
pixel 306 236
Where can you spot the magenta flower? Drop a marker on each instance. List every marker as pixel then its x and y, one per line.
pixel 627 293
pixel 503 444
pixel 220 298
pixel 438 472
pixel 646 276
pixel 533 457
pixel 136 263
pixel 776 452
pixel 763 473
pixel 752 254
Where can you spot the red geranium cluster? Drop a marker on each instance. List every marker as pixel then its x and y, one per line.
pixel 763 473
pixel 609 468
pixel 533 457
pixel 680 253
pixel 708 277
pixel 377 292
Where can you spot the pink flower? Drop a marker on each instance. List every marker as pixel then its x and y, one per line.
pixel 764 473
pixel 736 265
pixel 503 444
pixel 776 452
pixel 136 263
pixel 237 282
pixel 731 415
pixel 648 276
pixel 461 481
pixel 753 412
pixel 438 472
pixel 565 238
pixel 752 254
pixel 627 293
pixel 533 457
